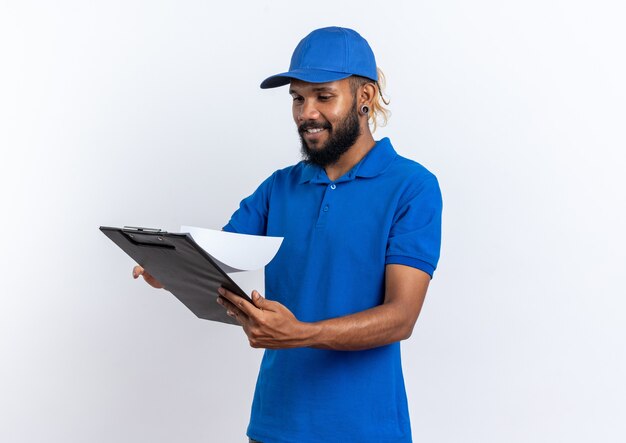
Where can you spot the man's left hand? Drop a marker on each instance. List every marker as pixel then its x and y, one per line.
pixel 268 324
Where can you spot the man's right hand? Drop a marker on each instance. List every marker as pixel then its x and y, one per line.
pixel 138 270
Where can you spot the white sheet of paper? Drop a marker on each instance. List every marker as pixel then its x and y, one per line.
pixel 243 257
pixel 249 280
pixel 239 251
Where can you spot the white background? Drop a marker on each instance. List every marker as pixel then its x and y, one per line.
pixel 149 113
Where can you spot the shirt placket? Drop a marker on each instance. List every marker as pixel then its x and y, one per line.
pixel 327 205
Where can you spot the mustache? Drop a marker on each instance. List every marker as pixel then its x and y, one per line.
pixel 313 125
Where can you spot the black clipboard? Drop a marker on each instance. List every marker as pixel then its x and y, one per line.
pixel 183 267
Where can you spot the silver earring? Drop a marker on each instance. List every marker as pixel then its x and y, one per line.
pixel 365 110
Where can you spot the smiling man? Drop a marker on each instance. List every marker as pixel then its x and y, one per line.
pixel 361 228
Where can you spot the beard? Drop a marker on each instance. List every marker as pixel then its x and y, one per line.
pixel 340 139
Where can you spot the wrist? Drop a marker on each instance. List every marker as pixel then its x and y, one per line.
pixel 309 335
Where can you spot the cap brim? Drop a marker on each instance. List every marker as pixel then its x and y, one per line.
pixel 306 75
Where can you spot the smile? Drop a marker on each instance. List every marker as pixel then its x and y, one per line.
pixel 314 130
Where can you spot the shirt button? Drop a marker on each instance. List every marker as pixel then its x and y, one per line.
pixel 325 208
pixel 333 186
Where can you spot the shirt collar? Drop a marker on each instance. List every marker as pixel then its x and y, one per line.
pixel 374 163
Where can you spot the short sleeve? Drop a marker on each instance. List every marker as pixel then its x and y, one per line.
pixel 415 236
pixel 251 217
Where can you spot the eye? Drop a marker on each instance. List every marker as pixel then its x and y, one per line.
pixel 324 98
pixel 297 99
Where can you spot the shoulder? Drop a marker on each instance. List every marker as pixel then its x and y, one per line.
pixel 413 180
pixel 289 175
pixel 384 160
pixel 406 168
pixel 281 175
pixel 290 171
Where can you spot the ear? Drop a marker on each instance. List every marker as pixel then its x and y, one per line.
pixel 367 92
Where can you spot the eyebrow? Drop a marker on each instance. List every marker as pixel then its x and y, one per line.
pixel 317 89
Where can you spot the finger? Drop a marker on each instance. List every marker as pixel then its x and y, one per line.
pixel 257 299
pixel 228 305
pixel 232 310
pixel 137 271
pixel 261 302
pixel 241 303
pixel 152 281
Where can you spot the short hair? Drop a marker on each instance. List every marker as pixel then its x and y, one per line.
pixel 379 114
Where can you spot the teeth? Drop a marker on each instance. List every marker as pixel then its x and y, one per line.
pixel 313 131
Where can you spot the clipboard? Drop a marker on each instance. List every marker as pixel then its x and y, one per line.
pixel 182 267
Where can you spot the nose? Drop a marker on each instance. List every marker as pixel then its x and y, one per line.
pixel 308 111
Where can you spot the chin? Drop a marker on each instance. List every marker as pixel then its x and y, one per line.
pixel 314 146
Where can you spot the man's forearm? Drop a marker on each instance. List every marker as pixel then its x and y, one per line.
pixel 270 324
pixel 374 327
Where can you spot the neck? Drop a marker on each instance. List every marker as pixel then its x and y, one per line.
pixel 355 154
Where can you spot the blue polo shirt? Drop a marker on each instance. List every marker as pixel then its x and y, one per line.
pixel 339 235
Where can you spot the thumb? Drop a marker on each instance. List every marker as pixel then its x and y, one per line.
pixel 258 300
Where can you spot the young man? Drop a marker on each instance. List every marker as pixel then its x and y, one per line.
pixel 362 228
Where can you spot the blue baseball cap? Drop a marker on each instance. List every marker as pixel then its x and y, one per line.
pixel 326 55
